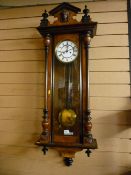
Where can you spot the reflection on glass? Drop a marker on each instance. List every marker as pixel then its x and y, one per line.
pixel 66 96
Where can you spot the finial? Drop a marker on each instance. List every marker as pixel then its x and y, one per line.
pixel 86 10
pixel 86 17
pixel 44 21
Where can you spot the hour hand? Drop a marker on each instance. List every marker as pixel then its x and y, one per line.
pixel 65 50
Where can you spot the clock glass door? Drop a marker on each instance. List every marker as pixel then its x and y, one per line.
pixel 66 107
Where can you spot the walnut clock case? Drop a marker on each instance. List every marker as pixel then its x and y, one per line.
pixel 66 120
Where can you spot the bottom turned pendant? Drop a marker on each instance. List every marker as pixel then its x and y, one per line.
pixel 68 161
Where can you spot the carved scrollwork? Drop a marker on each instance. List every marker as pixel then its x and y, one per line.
pixel 65 16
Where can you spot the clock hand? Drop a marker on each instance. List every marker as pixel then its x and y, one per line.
pixel 67 45
pixel 70 49
pixel 67 50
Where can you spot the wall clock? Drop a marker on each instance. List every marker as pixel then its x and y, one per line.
pixel 66 120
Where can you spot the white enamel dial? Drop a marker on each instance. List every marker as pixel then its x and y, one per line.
pixel 66 51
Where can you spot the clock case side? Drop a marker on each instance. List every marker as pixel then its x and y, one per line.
pixel 86 29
